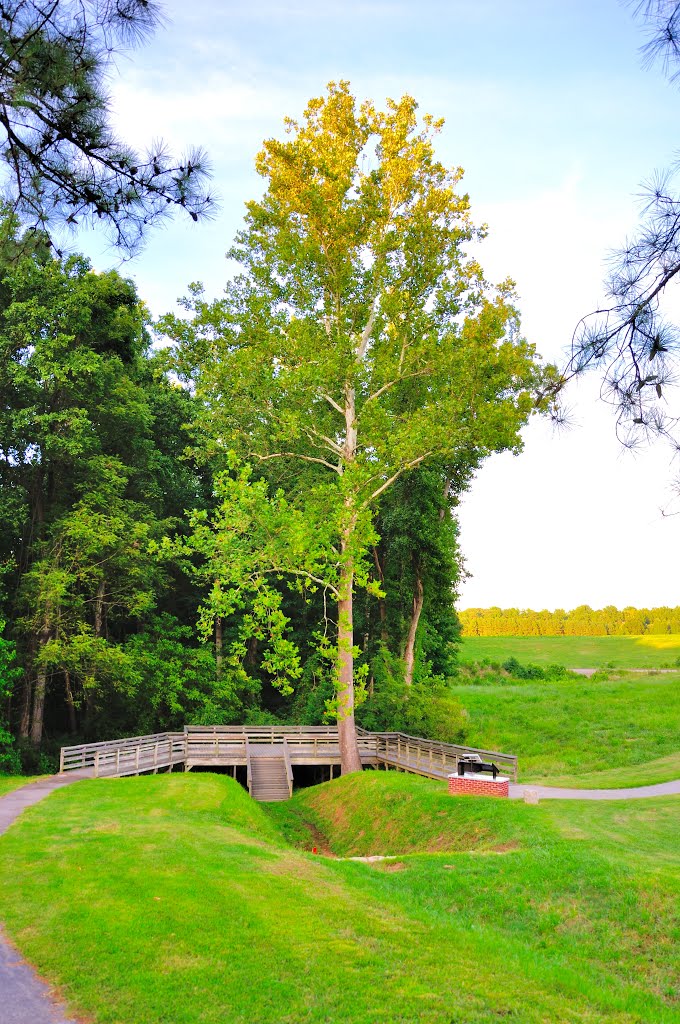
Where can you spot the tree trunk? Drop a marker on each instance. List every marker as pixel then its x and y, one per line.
pixel 218 646
pixel 382 608
pixel 40 687
pixel 350 761
pixel 252 652
pixel 72 722
pixel 99 609
pixel 410 651
pixel 25 720
pixel 38 707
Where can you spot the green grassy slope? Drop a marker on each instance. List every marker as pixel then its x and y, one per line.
pixel 585 732
pixel 174 898
pixel 575 651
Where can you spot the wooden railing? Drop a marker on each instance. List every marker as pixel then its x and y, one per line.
pixel 289 767
pixel 126 756
pixel 261 733
pixel 249 774
pixel 431 757
pixel 231 744
pixel 214 748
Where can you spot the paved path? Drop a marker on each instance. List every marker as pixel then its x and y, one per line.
pixel 632 793
pixel 641 671
pixel 25 998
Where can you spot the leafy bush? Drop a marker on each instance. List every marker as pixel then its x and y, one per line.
pixel 10 761
pixel 509 671
pixel 425 709
pixel 515 669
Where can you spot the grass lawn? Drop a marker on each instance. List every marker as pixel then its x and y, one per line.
pixel 579 731
pixel 8 782
pixel 176 899
pixel 575 651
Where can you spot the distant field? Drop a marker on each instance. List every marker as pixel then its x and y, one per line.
pixel 575 651
pixel 578 731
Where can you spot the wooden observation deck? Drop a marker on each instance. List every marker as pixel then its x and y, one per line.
pixel 269 754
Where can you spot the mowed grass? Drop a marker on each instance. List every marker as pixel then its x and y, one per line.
pixel 575 651
pixel 621 731
pixel 175 899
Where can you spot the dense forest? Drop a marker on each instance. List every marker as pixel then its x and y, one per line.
pixel 582 621
pixel 96 471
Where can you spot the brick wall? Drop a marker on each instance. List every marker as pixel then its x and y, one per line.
pixel 476 785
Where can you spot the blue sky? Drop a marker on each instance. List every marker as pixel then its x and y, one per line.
pixel 556 123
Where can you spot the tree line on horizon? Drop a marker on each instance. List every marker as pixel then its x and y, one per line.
pixel 581 621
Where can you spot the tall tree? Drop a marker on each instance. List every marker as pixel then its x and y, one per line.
pixel 65 163
pixel 418 564
pixel 359 342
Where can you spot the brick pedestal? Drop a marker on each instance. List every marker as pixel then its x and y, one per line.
pixel 478 785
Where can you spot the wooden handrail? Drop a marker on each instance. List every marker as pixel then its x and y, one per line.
pixel 249 774
pixel 289 767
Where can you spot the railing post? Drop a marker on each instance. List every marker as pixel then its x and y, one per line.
pixel 118 761
pixel 96 764
pixel 137 760
pixel 61 761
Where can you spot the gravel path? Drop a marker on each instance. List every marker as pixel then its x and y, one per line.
pixel 26 999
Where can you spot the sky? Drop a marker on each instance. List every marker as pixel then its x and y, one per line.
pixel 556 122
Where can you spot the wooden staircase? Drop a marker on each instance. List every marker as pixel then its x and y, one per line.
pixel 268 775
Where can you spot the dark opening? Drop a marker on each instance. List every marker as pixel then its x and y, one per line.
pixel 305 775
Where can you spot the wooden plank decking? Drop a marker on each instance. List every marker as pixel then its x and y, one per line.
pixel 237 746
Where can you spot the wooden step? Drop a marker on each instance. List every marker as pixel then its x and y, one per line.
pixel 268 778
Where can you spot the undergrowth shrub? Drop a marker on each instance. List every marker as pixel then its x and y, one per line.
pixel 10 673
pixel 427 708
pixel 509 671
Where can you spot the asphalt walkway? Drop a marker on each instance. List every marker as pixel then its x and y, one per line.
pixel 517 792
